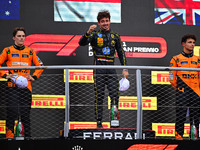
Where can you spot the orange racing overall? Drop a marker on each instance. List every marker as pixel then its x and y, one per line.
pixel 186 84
pixel 18 101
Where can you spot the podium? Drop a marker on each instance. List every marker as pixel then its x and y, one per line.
pixel 109 134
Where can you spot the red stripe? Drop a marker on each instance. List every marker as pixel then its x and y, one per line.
pixel 163 20
pixel 99 1
pixel 172 4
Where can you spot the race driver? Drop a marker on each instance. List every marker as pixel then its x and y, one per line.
pixel 105 43
pixel 19 100
pixel 186 84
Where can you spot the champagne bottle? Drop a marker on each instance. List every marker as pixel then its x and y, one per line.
pixel 193 132
pixel 19 130
pixel 114 117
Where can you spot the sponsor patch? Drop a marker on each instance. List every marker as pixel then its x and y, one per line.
pixel 41 63
pixel 20 63
pixel 15 55
pixel 184 62
pixel 106 50
pixel 193 62
pixel 99 35
pixel 112 43
pixel 25 56
pixel 100 41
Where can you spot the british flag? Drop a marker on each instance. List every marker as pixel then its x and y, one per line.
pixel 182 12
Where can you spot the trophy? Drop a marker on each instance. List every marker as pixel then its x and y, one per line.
pixel 19 131
pixel 114 117
pixel 193 132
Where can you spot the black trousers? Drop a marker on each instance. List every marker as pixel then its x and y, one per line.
pixel 18 103
pixel 103 78
pixel 186 98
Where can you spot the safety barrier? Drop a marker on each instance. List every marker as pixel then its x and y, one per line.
pixel 67 101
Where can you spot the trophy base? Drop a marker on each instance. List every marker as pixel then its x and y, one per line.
pixel 114 123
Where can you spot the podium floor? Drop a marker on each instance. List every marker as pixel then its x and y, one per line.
pixel 75 144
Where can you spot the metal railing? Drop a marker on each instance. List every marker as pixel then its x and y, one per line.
pixel 138 86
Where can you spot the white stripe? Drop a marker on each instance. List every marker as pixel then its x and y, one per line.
pixel 88 10
pixel 20 63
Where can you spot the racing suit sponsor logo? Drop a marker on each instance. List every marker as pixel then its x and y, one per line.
pixel 184 62
pixel 168 129
pixel 100 42
pixel 193 62
pixel 106 50
pixel 112 43
pixel 25 56
pixel 104 59
pixel 80 76
pixel 15 55
pixel 41 63
pixel 48 101
pixel 86 125
pixel 160 77
pixel 99 35
pixel 130 103
pixel 20 63
pixel 189 76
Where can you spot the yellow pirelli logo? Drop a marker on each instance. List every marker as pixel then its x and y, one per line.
pixel 168 129
pixel 2 127
pixel 3 79
pixel 80 76
pixel 130 103
pixel 86 125
pixel 160 77
pixel 48 101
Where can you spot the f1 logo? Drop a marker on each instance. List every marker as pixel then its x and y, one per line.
pixel 66 45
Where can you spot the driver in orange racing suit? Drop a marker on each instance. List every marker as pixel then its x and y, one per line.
pixel 19 100
pixel 186 84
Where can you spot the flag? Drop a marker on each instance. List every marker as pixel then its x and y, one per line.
pixel 182 12
pixel 85 10
pixel 9 9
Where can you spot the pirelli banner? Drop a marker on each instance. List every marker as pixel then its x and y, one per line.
pixel 168 129
pixel 130 103
pixel 80 76
pixel 160 77
pixel 48 101
pixel 86 125
pixel 2 126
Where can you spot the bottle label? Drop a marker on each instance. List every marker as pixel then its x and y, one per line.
pixel 114 123
pixel 112 113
